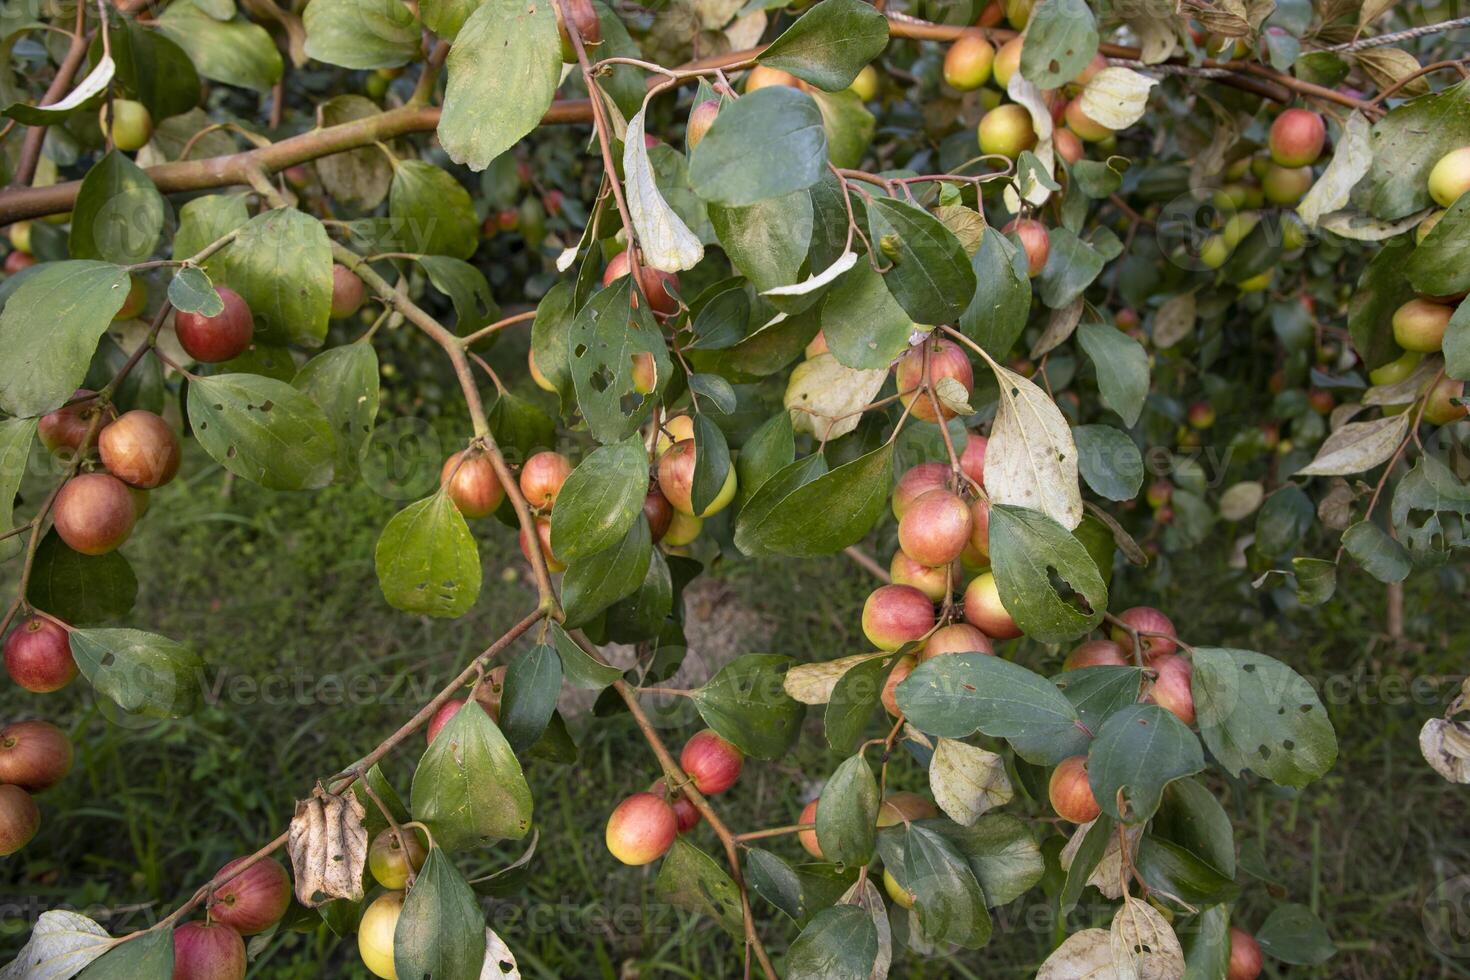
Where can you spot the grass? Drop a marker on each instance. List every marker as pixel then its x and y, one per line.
pixel 308 667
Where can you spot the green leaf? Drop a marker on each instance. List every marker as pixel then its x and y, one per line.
pixel 1380 555
pixel 520 424
pixel 846 823
pixel 1109 461
pixel 1122 368
pixel 1381 289
pixel 949 901
pixel 144 673
pixel 152 68
pixel 580 669
pixel 830 43
pixel 343 382
pixel 690 879
pixel 1294 934
pixel 1061 38
pixel 263 430
pixel 147 956
pixel 503 71
pixel 602 342
pixel 747 705
pixel 83 590
pixel 1457 344
pixel 118 215
pixel 468 787
pixel 721 323
pixel 281 265
pixel 767 241
pixel 770 449
pixel 771 878
pixel 441 930
pixel 532 685
pixel 357 178
pixel 594 582
pixel 1190 850
pixel 644 615
pixel 1071 267
pixel 853 699
pixel 711 459
pixel 1206 943
pixel 232 50
pixel 361 33
pixel 1440 265
pixel 1030 554
pixel 1097 692
pixel 1257 713
pixel 1089 854
pixel 600 500
pixel 819 517
pixel 863 324
pixel 767 144
pixel 1316 580
pixel 465 285
pixel 50 328
pixel 549 332
pixel 931 276
pixel 1408 142
pixel 956 695
pixel 1138 751
pixel 839 943
pixel 207 219
pixel 272 361
pixel 1001 852
pixel 997 312
pixel 432 211
pixel 427 561
pixel 191 291
pixel 16 437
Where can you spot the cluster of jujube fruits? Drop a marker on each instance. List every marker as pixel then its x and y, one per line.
pixel 642 828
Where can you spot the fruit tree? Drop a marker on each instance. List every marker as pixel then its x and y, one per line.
pixel 1039 298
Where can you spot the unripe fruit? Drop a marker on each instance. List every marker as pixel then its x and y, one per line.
pixel 16 261
pixel 808 838
pixel 255 899
pixel 1256 284
pixel 348 292
pixel 1245 956
pixel 1146 619
pixel 682 530
pixel 392 858
pixel 132 123
pixel 1201 415
pixel 1450 177
pixel 375 933
pixel 641 830
pixel 19 819
pixel 1441 408
pixel 542 477
pixel 1297 137
pixel 20 235
pixel 985 611
pixel 1068 145
pixel 1239 225
pixel 654 283
pixel 711 762
pixel 901 896
pixel 659 513
pixel 63 430
pixel 208 951
pixel 896 676
pixel 1214 251
pixel 762 76
pixel 676 481
pixel 896 614
pixel 946 360
pixel 686 814
pixel 1095 653
pixel 968 61
pixel 936 528
pixel 1159 493
pixel 1006 130
pixel 38 656
pixel 956 638
pixel 917 481
pixel 1419 325
pixel 1397 369
pixel 1007 61
pixel 865 85
pixel 1071 796
pixel 701 118
pixel 136 301
pixel 1171 689
pixel 211 339
pixel 1086 128
pixel 140 449
pixel 675 429
pixel 543 534
pixel 933 582
pixel 94 513
pixel 34 755
pixel 1286 185
pixel 470 480
pixel 1031 235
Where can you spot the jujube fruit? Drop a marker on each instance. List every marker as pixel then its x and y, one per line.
pixel 985 611
pixel 542 477
pixel 936 528
pixel 208 951
pixel 1419 325
pixel 1245 956
pixel 916 482
pixel 34 755
pixel 1070 794
pixel 896 614
pixel 956 638
pixel 641 829
pixel 375 933
pixel 348 292
pixel 140 449
pixel 676 480
pixel 212 339
pixel 1171 689
pixel 654 283
pixel 94 513
pixel 946 360
pixel 713 763
pixel 394 856
pixel 1034 241
pixel 967 62
pixel 1096 653
pixel 1450 177
pixel 38 656
pixel 1006 130
pixel 896 676
pixel 1146 619
pixel 20 818
pixel 63 430
pixel 1297 137
pixel 255 899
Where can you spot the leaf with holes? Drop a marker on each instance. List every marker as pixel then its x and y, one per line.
pixel 690 879
pixel 281 265
pixel 343 382
pixel 1032 557
pixel 144 673
pixel 263 430
pixel 1139 751
pixel 441 930
pixel 427 561
pixel 602 343
pixel 468 787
